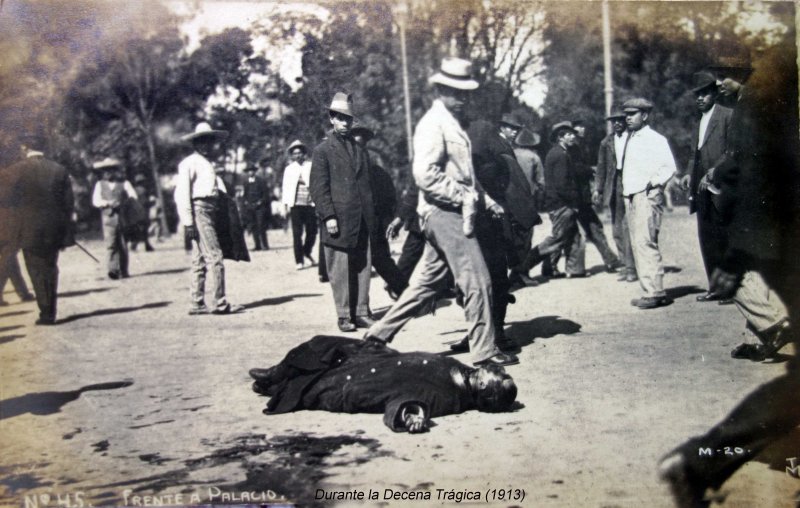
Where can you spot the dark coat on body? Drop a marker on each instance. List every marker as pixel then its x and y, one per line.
pixel 562 180
pixel 36 205
pixel 337 374
pixel 711 153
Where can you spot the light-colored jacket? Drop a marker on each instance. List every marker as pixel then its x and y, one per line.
pixel 291 175
pixel 442 164
pixel 648 161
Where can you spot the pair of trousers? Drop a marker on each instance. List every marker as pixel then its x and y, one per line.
pixel 413 247
pixel 495 248
pixel 384 264
pixel 9 269
pixel 711 232
pixel 565 237
pixel 447 249
pixel 619 225
pixel 116 246
pixel 304 218
pixel 593 230
pixel 349 271
pixel 759 304
pixel 206 252
pixel 42 264
pixel 644 211
pixel 256 217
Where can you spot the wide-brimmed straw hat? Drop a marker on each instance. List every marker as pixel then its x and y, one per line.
pixel 455 73
pixel 107 163
pixel 342 103
pixel 203 129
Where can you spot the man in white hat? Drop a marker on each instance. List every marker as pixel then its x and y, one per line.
pixel 298 204
pixel 443 170
pixel 197 191
pixel 110 194
pixel 647 166
pixel 341 191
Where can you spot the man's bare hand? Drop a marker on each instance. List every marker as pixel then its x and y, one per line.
pixel 414 419
pixel 703 185
pixel 596 198
pixel 332 225
pixel 394 228
pixel 685 181
pixel 496 210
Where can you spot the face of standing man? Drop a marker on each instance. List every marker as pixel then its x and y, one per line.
pixel 454 100
pixel 636 119
pixel 705 99
pixel 298 155
pixel 341 123
pixel 619 125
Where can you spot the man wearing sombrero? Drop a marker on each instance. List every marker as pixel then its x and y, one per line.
pixel 444 173
pixel 197 193
pixel 110 194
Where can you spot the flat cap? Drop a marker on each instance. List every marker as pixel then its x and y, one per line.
pixel 637 104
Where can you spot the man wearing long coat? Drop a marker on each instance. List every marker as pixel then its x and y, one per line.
pixel 340 189
pixel 36 205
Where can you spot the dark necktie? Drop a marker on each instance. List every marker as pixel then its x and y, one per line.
pixel 625 148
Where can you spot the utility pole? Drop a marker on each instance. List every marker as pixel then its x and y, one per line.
pixel 402 19
pixel 608 78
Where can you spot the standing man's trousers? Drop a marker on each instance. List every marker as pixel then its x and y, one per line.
pixel 206 253
pixel 644 211
pixel 349 271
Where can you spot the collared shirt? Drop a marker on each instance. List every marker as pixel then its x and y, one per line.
pixel 442 164
pixel 292 176
pixel 648 160
pixel 619 147
pixel 704 125
pixel 99 201
pixel 196 179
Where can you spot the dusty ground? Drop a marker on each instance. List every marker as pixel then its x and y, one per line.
pixel 166 407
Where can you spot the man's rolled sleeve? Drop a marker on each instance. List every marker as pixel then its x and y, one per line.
pixel 183 198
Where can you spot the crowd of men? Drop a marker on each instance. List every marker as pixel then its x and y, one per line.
pixel 480 188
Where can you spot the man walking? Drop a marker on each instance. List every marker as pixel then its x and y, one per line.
pixel 340 189
pixel 197 197
pixel 298 203
pixel 648 164
pixel 36 205
pixel 608 191
pixel 443 170
pixel 561 200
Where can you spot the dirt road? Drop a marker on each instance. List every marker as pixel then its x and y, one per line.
pixel 130 397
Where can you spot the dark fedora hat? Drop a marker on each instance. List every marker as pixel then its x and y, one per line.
pixel 560 126
pixel 615 115
pixel 703 80
pixel 511 121
pixel 359 128
pixel 527 139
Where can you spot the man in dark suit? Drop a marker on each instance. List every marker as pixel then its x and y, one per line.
pixel 256 208
pixel 608 191
pixel 759 181
pixel 36 207
pixel 498 172
pixel 350 376
pixel 384 197
pixel 340 189
pixel 709 137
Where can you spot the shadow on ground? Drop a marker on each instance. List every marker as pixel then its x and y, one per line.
pixel 680 291
pixel 278 300
pixel 115 310
pixel 525 333
pixel 9 338
pixel 168 271
pixel 15 313
pixel 83 292
pixel 47 403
